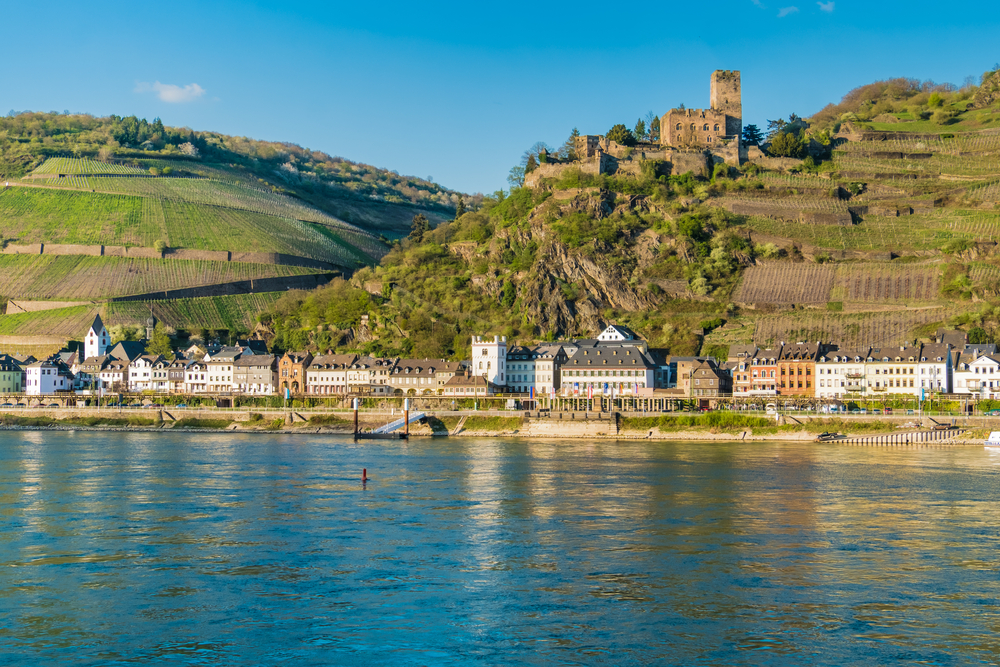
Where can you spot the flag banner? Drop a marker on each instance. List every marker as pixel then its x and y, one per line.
pixel 576 387
pixel 531 392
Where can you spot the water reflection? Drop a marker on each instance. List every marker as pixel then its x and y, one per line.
pixel 266 550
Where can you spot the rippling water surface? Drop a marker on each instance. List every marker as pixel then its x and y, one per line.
pixel 229 549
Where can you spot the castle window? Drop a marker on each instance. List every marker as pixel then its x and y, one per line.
pixel 678 126
pixel 708 139
pixel 706 127
pixel 716 127
pixel 693 126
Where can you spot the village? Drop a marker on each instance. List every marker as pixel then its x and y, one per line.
pixel 614 370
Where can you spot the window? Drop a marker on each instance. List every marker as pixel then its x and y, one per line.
pixel 705 128
pixel 678 126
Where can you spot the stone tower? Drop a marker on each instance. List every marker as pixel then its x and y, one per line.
pixel 727 97
pixel 489 359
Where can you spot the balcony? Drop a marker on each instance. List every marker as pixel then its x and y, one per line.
pixel 855 388
pixel 855 376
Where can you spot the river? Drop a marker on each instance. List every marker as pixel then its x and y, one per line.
pixel 225 549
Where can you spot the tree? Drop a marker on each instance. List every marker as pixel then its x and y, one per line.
pixel 460 209
pixel 640 130
pixel 160 342
pixel 654 129
pixel 531 165
pixel 774 127
pixel 621 135
pixel 419 227
pixel 508 295
pixel 568 150
pixel 752 136
pixel 516 176
pixel 977 336
pixel 787 144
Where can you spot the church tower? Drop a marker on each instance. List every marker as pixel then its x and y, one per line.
pixel 727 97
pixel 97 340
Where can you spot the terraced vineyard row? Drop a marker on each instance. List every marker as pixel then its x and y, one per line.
pixel 959 143
pixel 216 312
pixel 215 228
pixel 925 231
pixel 66 165
pixel 213 193
pixel 980 226
pixel 881 329
pixel 940 163
pixel 786 283
pixel 821 204
pixel 878 283
pixel 95 278
pixel 988 192
pixel 71 322
pixel 793 181
pixel 32 215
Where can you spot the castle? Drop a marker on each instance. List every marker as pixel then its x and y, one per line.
pixel 690 140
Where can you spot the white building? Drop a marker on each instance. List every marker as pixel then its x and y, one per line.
pixel 622 370
pixel 45 377
pixel 140 372
pixel 220 369
pixel 892 371
pixel 520 369
pixel 616 333
pixel 97 340
pixel 489 359
pixel 840 373
pixel 195 375
pixel 978 375
pixel 935 368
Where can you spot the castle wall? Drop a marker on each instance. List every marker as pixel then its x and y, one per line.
pixel 692 127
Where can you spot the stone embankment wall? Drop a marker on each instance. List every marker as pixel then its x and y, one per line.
pixel 171 253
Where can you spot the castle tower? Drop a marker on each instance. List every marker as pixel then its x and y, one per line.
pixel 97 340
pixel 726 96
pixel 489 359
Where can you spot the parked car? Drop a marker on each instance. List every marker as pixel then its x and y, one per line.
pixel 876 411
pixel 53 405
pixel 855 411
pixel 181 405
pixel 7 405
pixel 994 413
pixel 888 411
pixel 909 412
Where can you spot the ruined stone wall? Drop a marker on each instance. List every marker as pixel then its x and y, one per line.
pixel 595 165
pixel 687 127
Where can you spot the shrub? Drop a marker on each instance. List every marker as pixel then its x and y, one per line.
pixel 160 246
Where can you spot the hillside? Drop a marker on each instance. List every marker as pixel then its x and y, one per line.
pixel 874 238
pixel 116 208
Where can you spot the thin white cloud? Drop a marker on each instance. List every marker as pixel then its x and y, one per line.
pixel 758 3
pixel 826 6
pixel 168 92
pixel 785 11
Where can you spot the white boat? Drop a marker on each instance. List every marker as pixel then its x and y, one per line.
pixel 994 440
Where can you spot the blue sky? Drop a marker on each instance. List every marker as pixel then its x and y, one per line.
pixel 459 91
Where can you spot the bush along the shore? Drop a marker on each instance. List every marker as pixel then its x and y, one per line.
pixel 18 420
pixel 193 422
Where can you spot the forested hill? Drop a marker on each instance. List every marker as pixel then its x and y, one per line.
pixel 379 200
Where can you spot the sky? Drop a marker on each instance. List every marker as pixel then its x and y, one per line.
pixel 458 91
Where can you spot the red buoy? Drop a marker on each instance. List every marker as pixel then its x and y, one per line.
pixel 364 474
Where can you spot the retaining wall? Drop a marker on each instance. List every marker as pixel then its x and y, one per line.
pixel 57 249
pixel 238 287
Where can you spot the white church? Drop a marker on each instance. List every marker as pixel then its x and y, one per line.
pixel 97 340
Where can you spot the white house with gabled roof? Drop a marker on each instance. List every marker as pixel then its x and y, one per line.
pixel 616 333
pixel 97 340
